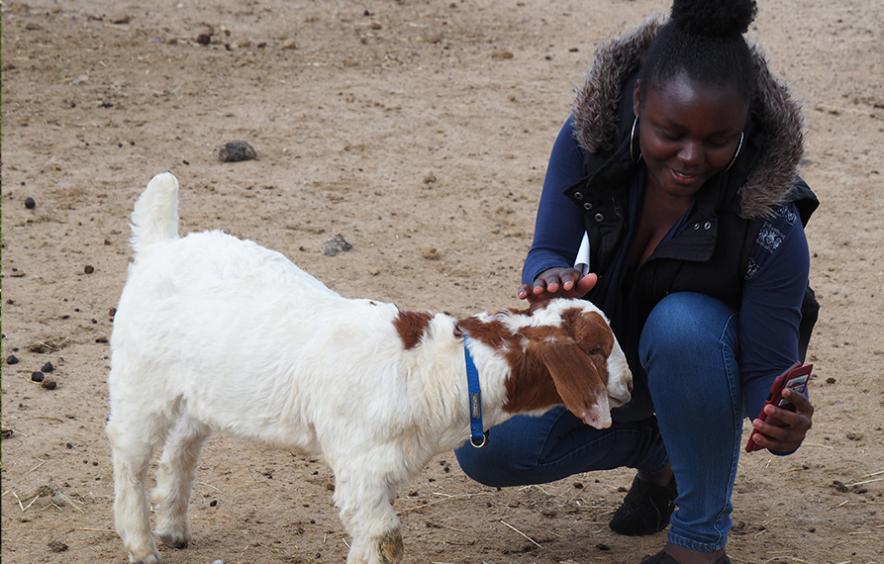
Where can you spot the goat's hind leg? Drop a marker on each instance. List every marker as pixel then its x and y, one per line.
pixel 133 435
pixel 175 476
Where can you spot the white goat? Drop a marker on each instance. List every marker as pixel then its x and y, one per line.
pixel 215 333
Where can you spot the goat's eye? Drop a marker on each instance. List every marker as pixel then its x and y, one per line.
pixel 596 350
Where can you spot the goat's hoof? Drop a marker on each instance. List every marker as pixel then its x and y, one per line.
pixel 390 547
pixel 152 558
pixel 174 540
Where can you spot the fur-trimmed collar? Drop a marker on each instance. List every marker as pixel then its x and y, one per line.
pixel 597 122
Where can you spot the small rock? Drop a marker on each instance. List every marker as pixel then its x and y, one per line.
pixel 603 546
pixel 120 19
pixel 204 35
pixel 431 254
pixel 217 562
pixel 236 151
pixel 430 179
pixel 37 376
pixel 289 43
pixel 830 380
pixel 57 546
pixel 242 44
pixel 330 487
pixel 578 485
pixel 839 485
pixel 30 203
pixel 12 359
pixel 88 269
pixel 335 245
pixel 549 513
pixel 433 36
pixel 855 436
pixel 213 503
pixel 49 384
pixel 374 271
pixel 502 55
pixel 6 433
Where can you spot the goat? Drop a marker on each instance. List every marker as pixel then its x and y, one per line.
pixel 213 333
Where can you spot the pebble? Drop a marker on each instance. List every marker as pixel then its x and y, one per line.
pixel 37 376
pixel 217 562
pixel 830 380
pixel 236 151
pixel 431 254
pixel 204 35
pixel 289 43
pixel 30 203
pixel 49 384
pixel 602 546
pixel 839 485
pixel 12 359
pixel 335 245
pixel 855 436
pixel 120 19
pixel 88 269
pixel 57 546
pixel 47 367
pixel 502 55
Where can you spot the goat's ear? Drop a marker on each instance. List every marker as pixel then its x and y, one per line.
pixel 576 379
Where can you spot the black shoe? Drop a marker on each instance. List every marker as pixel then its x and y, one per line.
pixel 645 510
pixel 663 557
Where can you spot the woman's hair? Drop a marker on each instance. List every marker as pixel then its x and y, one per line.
pixel 703 38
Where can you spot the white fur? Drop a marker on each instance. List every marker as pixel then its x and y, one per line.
pixel 213 333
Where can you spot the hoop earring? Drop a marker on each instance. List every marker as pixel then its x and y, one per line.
pixel 632 156
pixel 737 154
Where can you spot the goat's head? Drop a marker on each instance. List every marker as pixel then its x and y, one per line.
pixel 559 352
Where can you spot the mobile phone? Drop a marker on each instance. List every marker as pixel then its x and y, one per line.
pixel 795 379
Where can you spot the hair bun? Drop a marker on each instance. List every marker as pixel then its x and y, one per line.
pixel 714 18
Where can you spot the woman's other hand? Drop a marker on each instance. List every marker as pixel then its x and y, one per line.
pixel 560 282
pixel 783 431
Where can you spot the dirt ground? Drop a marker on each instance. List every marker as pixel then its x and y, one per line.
pixel 405 126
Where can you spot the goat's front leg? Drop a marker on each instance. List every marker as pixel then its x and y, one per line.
pixel 363 498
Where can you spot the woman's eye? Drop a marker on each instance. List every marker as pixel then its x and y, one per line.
pixel 718 143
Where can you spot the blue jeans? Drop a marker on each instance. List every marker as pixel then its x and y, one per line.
pixel 688 349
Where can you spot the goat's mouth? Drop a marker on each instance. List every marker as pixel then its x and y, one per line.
pixel 616 402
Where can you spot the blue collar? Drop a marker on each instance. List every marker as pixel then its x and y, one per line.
pixel 477 431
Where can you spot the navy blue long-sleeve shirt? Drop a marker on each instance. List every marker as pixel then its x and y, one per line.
pixel 770 311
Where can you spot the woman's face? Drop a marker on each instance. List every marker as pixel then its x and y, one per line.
pixel 689 132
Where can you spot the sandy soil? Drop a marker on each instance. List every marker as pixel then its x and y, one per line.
pixel 404 126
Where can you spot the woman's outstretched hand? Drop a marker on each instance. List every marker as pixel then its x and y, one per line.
pixel 784 430
pixel 560 282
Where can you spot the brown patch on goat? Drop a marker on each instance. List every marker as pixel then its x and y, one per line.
pixel 390 547
pixel 411 326
pixel 492 333
pixel 590 330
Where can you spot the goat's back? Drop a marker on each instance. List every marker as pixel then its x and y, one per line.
pixel 245 339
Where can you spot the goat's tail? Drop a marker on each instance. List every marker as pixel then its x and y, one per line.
pixel 156 212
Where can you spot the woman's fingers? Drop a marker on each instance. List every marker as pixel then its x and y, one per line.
pixel 555 282
pixel 784 430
